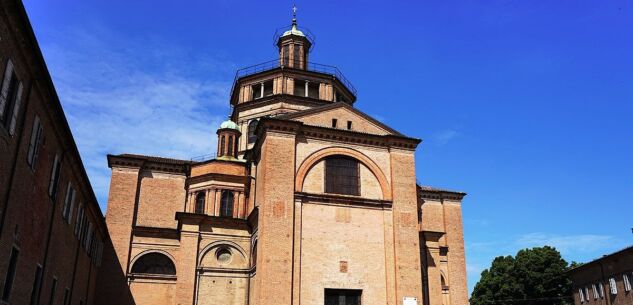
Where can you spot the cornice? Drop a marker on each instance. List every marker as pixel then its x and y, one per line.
pixel 278 98
pixel 290 72
pixel 335 199
pixel 150 163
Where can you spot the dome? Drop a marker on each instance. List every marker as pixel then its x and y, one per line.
pixel 293 31
pixel 229 124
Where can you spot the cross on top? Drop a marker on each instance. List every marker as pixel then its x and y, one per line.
pixel 294 11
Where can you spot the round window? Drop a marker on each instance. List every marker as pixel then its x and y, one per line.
pixel 224 256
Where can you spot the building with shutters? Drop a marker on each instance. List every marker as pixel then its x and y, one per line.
pixel 307 200
pixel 52 231
pixel 605 281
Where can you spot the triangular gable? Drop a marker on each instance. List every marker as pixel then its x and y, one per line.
pixel 343 113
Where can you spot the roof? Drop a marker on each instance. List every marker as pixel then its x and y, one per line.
pixel 293 31
pixel 606 256
pixel 298 114
pixel 435 189
pixel 229 124
pixel 155 159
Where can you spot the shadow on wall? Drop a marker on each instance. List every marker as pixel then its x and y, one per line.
pixel 112 287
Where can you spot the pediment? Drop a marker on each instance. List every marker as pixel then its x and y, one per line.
pixel 342 113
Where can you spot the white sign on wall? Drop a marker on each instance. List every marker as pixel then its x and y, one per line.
pixel 409 301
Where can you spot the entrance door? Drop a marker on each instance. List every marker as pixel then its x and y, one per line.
pixel 342 296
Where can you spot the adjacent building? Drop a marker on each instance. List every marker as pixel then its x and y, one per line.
pixel 52 231
pixel 605 281
pixel 307 200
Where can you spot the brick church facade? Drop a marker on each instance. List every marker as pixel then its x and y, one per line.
pixel 308 201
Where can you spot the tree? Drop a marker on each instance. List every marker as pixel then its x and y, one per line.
pixel 533 277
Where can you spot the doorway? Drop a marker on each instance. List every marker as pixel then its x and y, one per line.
pixel 342 296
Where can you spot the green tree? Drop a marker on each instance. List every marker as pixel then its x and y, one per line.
pixel 534 276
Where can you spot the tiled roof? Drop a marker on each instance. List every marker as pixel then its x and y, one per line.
pixel 157 159
pixel 435 189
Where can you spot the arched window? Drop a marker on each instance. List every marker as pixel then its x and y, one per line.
pixel 221 152
pixel 200 203
pixel 252 137
pixel 154 263
pixel 342 175
pixel 226 204
pixel 230 153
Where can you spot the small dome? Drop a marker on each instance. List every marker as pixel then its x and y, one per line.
pixel 229 124
pixel 293 30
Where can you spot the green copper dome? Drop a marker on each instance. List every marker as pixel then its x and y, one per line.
pixel 229 124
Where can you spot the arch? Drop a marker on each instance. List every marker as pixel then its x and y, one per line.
pixel 319 155
pixel 226 203
pixel 153 262
pixel 208 248
pixel 200 203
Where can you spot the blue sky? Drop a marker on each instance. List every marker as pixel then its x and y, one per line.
pixel 525 105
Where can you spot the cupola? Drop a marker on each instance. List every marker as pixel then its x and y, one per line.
pixel 228 139
pixel 294 46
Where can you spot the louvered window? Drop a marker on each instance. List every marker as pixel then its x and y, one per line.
pixel 342 176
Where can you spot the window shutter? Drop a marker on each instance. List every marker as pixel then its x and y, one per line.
pixel 52 186
pixel 6 81
pixel 612 286
pixel 38 142
pixel 33 141
pixel 72 206
pixel 66 201
pixel 16 110
pixel 582 297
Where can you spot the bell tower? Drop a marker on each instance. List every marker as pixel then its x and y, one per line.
pixel 293 46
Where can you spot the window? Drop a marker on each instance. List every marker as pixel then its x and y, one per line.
pixel 262 89
pixel 200 203
pixel 300 88
pixel 222 146
pixel 53 288
pixel 34 143
pixel 612 286
pixel 627 282
pixel 334 121
pixel 230 152
pixel 69 202
pixel 226 204
pixel 88 238
pixel 8 280
pixel 594 288
pixel 297 56
pixel 52 186
pixel 252 126
pixel 313 89
pixel 37 283
pixel 339 98
pixel 154 263
pixel 10 99
pixel 66 296
pixel 223 256
pixel 349 125
pixel 286 55
pixel 601 290
pixel 342 297
pixel 342 176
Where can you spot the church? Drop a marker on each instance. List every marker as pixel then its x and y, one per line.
pixel 307 200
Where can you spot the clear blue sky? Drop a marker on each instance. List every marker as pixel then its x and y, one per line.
pixel 525 105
